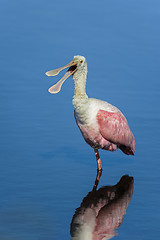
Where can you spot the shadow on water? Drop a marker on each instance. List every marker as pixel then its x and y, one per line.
pixel 102 211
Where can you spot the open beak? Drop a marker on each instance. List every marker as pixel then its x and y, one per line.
pixel 57 87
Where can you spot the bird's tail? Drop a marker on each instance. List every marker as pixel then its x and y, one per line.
pixel 126 150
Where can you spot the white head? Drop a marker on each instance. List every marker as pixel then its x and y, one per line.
pixel 77 67
pixel 81 61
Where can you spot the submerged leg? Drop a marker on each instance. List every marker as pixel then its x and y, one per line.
pixel 99 164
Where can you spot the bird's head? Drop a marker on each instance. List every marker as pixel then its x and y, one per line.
pixel 77 66
pixel 81 61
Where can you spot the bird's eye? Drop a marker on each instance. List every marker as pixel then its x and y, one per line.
pixel 81 61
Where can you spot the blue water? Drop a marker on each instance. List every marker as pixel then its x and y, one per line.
pixel 46 168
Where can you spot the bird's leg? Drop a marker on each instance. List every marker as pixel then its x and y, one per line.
pixel 99 169
pixel 99 164
pixel 99 173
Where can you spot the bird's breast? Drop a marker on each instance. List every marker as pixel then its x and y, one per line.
pixel 86 110
pixel 86 116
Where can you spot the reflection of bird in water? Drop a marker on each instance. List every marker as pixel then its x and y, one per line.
pixel 101 124
pixel 102 211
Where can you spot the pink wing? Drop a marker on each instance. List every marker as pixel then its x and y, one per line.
pixel 114 128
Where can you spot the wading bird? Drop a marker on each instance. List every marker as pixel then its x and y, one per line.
pixel 101 124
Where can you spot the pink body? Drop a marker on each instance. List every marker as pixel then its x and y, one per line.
pixel 108 130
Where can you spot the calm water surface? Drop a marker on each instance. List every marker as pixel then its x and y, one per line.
pixel 46 168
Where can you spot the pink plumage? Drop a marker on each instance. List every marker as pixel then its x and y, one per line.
pixel 114 128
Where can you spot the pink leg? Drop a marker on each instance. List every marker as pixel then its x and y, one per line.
pixel 99 164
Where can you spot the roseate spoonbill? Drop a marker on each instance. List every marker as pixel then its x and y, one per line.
pixel 101 124
pixel 102 211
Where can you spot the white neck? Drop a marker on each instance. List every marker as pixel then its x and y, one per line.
pixel 79 85
pixel 80 95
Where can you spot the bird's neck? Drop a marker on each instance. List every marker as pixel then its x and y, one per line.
pixel 80 95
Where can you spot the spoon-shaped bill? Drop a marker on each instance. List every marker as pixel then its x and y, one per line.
pixel 57 71
pixel 57 87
